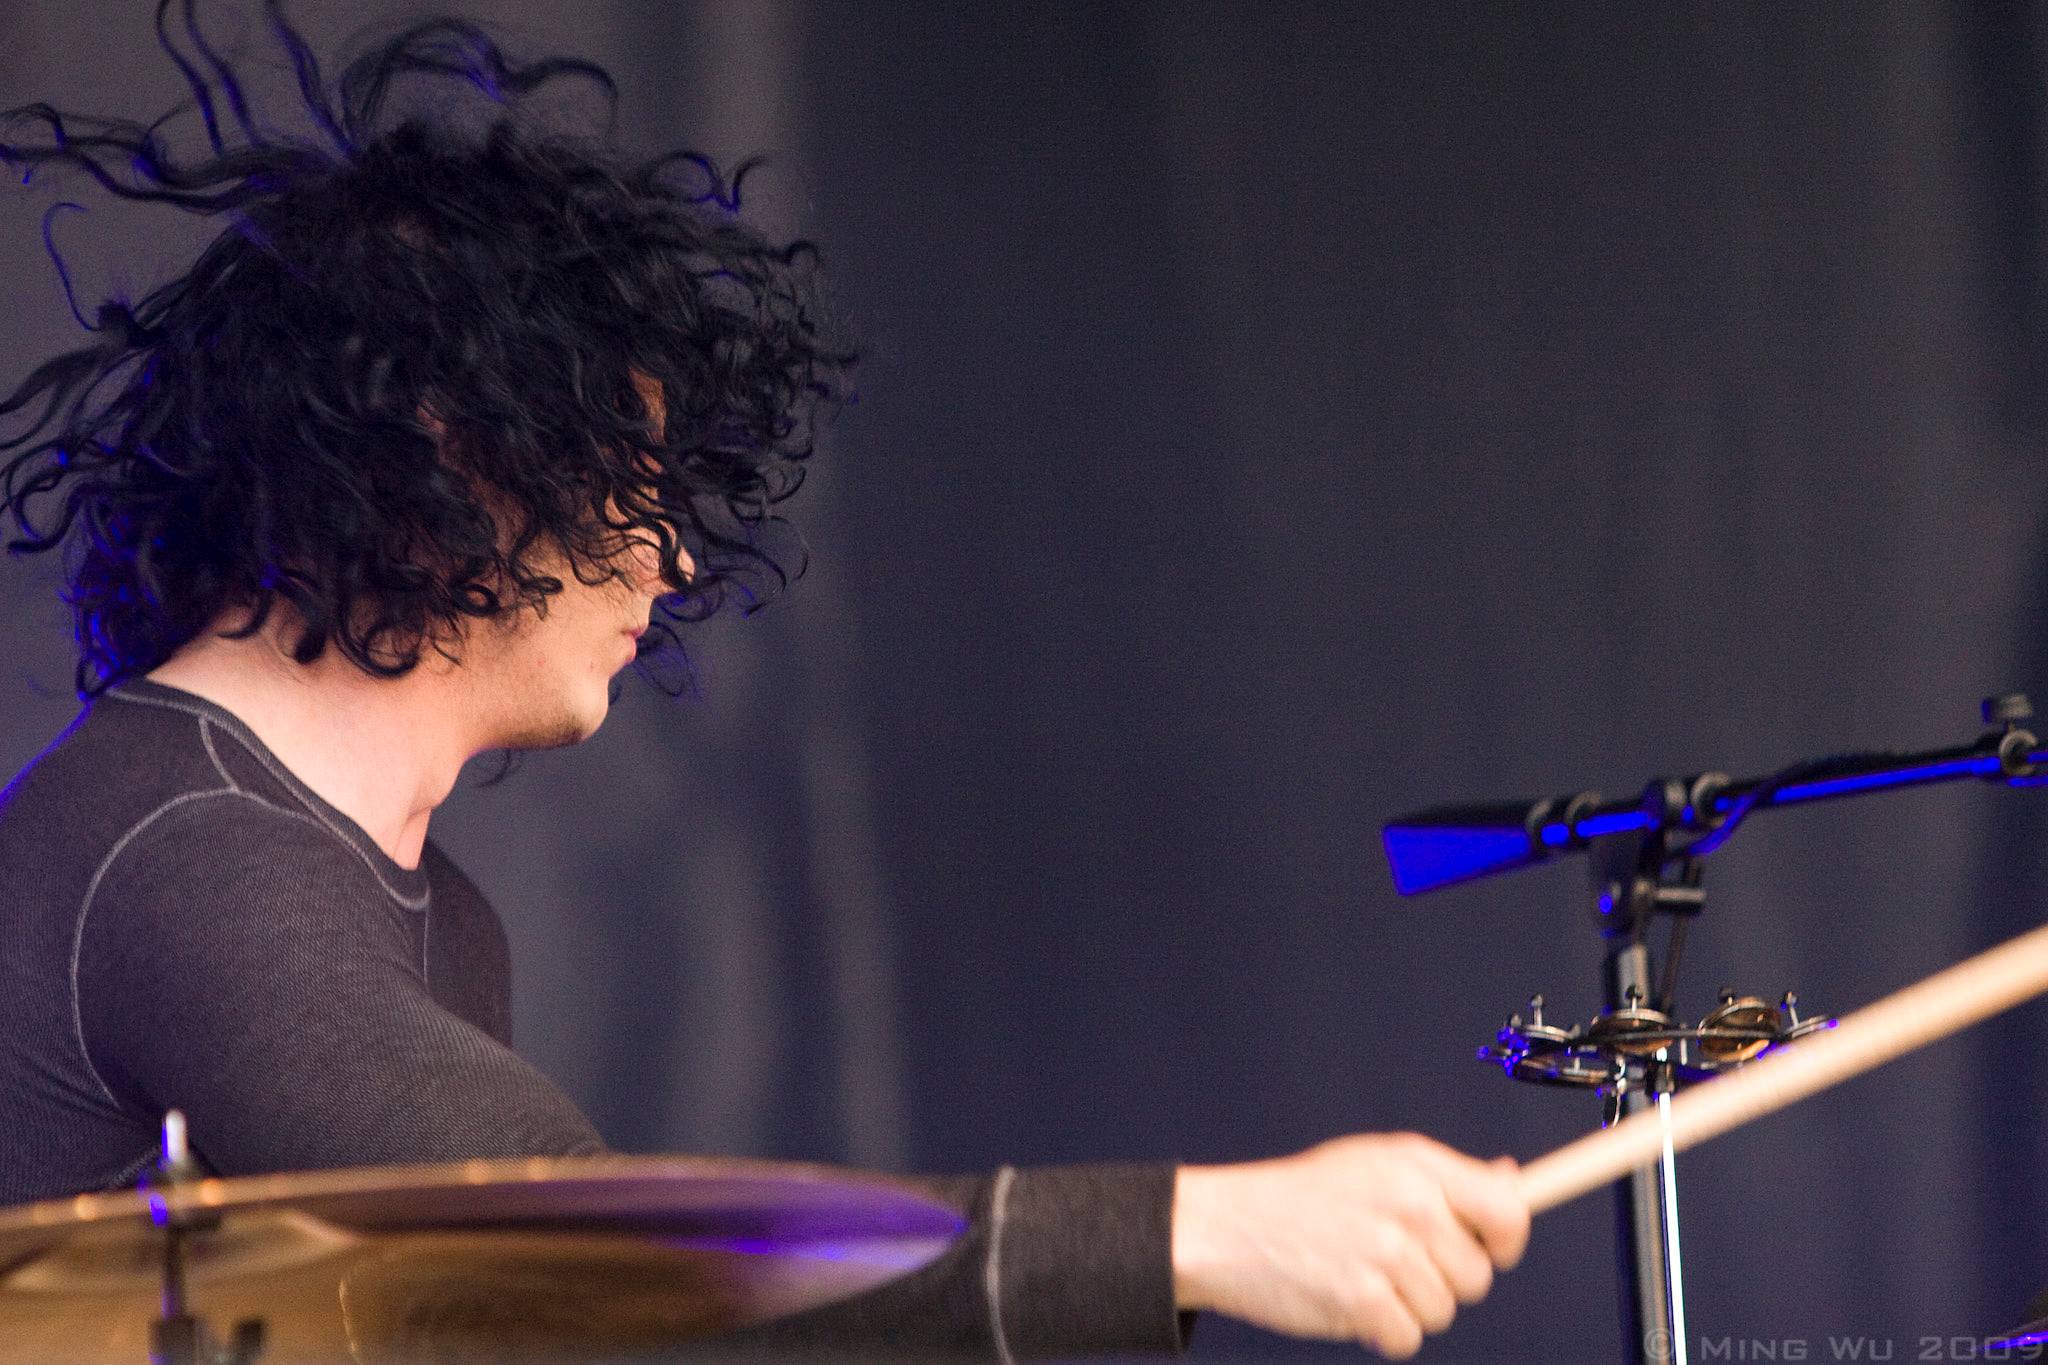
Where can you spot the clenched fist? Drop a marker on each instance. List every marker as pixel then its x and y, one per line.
pixel 1378 1238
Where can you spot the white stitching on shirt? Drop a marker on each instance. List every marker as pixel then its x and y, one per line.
pixel 426 933
pixel 128 1174
pixel 418 902
pixel 992 1269
pixel 276 770
pixel 78 931
pixel 206 738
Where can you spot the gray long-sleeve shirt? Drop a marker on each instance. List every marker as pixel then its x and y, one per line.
pixel 187 925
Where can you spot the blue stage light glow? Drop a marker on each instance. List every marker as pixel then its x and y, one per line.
pixel 1977 765
pixel 903 1253
pixel 1621 822
pixel 7 792
pixel 1559 835
pixel 1424 857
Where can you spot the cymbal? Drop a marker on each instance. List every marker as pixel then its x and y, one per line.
pixel 519 1259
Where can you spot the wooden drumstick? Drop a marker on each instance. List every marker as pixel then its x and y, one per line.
pixel 1924 1012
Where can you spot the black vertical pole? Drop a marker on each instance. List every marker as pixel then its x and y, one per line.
pixel 1625 872
pixel 1647 1326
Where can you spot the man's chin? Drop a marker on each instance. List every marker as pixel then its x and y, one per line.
pixel 560 731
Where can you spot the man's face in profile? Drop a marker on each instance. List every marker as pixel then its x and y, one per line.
pixel 545 675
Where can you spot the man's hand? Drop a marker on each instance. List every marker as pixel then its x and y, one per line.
pixel 1377 1238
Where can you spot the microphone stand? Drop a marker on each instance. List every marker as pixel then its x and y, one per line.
pixel 1651 1283
pixel 1635 1052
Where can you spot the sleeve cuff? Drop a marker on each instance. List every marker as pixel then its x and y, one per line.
pixel 1080 1261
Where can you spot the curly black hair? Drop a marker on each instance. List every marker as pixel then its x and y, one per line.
pixel 401 382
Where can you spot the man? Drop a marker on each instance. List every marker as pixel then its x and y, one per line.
pixel 442 431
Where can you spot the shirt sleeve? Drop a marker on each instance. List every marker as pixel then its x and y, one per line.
pixel 250 973
pixel 281 1007
pixel 1056 1262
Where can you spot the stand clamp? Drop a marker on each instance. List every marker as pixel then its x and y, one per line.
pixel 176 1337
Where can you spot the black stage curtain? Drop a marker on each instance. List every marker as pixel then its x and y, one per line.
pixel 1278 417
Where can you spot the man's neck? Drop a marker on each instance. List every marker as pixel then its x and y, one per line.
pixel 383 751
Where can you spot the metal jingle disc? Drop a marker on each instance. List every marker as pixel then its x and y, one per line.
pixel 1737 1031
pixel 1635 1030
pixel 1818 1023
pixel 1724 1049
pixel 505 1261
pixel 1578 1067
pixel 1536 1038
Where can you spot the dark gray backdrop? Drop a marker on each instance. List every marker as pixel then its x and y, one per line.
pixel 1278 417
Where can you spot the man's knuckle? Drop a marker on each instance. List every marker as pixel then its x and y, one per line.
pixel 1388 1241
pixel 1415 1194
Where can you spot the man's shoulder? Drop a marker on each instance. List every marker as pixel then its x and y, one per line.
pixel 113 770
pixel 225 827
pixel 124 773
pixel 230 868
pixel 110 747
pixel 147 796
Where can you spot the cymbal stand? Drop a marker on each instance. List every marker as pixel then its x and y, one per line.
pixel 176 1337
pixel 1637 1053
pixel 1630 887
